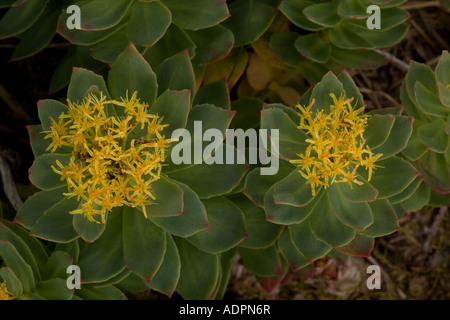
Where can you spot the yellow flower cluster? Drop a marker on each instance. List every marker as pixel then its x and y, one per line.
pixel 114 159
pixel 4 295
pixel 336 145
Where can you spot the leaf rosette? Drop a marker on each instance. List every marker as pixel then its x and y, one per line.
pixel 339 171
pixel 183 212
pixel 425 95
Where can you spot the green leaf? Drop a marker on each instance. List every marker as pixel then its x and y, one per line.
pixel 89 231
pixel 20 17
pixel 217 179
pixel 248 113
pixel 249 20
pixel 306 242
pixel 86 37
pixel 174 40
pixel 83 80
pixel 35 206
pixel 410 106
pixel 101 293
pixel 176 73
pixel 144 243
pixel 395 111
pixel 433 136
pixel 418 199
pixel 148 22
pixel 293 190
pixel 212 44
pixel 393 177
pixel 352 9
pixel 384 219
pixel 359 193
pixel 54 289
pixel 429 101
pixel 327 227
pixel 56 224
pixel 132 283
pixel 378 129
pixel 102 14
pixel 261 262
pixel 415 148
pixel 211 117
pixel 293 10
pixel 36 246
pixel 37 38
pixel 22 248
pixel 271 282
pixel 197 14
pixel 408 192
pixel 287 248
pixel 261 233
pixel 132 73
pixel 444 94
pixel 360 246
pixel 226 260
pixel 357 58
pixel 256 184
pixel 357 215
pixel 38 144
pixel 324 14
pixel 400 210
pixel 103 259
pixel 12 282
pixel 398 138
pixel 232 67
pixel 321 92
pixel 226 226
pixel 76 56
pixel 50 109
pixel 17 264
pixel 216 93
pixel 283 213
pixel 351 90
pixel 443 79
pixel 422 73
pixel 72 248
pixel 346 37
pixel 291 139
pixel 354 34
pixel 437 199
pixel 169 199
pixel 41 173
pixel 56 265
pixel 436 171
pixel 173 107
pixel 442 68
pixel 110 48
pixel 166 279
pixel 313 47
pixel 199 271
pixel 282 44
pixel 192 220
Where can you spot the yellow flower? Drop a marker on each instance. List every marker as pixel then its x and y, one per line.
pixel 109 166
pixel 336 144
pixel 4 294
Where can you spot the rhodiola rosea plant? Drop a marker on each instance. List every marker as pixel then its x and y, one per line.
pixel 425 95
pixel 111 191
pixel 332 194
